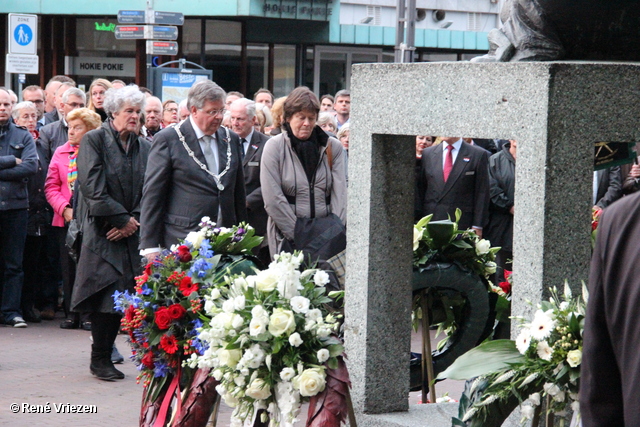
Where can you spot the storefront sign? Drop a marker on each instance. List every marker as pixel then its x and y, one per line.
pixel 317 10
pixel 105 27
pixel 100 66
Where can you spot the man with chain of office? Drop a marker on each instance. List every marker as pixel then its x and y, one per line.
pixel 194 170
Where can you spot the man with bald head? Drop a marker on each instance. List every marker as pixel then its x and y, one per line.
pixel 152 117
pixel 51 106
pixel 56 114
pixel 18 161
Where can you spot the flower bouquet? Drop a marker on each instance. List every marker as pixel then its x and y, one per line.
pixel 162 316
pixel 542 364
pixel 270 343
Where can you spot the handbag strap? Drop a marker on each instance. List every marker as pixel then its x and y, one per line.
pixel 329 155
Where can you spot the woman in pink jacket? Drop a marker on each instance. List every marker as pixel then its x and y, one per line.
pixel 58 189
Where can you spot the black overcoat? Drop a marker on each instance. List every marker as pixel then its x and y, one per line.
pixel 110 184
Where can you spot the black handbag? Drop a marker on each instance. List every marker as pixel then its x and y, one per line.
pixel 320 238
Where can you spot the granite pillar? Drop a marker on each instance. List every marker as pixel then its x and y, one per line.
pixel 556 111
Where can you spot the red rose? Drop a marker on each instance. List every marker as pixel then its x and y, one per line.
pixel 186 286
pixel 507 274
pixel 147 360
pixel 176 311
pixel 184 255
pixel 163 318
pixel 169 344
pixel 506 287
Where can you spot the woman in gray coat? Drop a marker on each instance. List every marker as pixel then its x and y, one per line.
pixel 111 167
pixel 303 172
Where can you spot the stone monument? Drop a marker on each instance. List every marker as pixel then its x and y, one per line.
pixel 556 111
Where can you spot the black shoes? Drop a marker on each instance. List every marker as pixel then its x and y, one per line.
pixel 102 368
pixel 70 324
pixel 116 357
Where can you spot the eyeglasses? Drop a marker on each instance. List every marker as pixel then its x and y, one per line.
pixel 171 110
pixel 215 112
pixel 38 101
pixel 74 104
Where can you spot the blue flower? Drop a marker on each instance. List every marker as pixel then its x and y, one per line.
pixel 205 249
pixel 200 267
pixel 145 290
pixel 160 369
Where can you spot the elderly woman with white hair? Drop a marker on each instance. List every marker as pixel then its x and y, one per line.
pixel 111 167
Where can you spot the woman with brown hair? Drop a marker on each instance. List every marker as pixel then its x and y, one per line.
pixel 303 173
pixel 96 95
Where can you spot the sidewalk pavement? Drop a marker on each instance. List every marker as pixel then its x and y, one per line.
pixel 48 366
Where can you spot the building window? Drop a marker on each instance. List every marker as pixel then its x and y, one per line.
pixel 284 69
pixel 223 50
pixel 473 21
pixel 374 13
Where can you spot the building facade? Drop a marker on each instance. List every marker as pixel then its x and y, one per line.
pixel 249 44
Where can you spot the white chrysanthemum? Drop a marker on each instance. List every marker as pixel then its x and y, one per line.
pixel 300 304
pixel 541 326
pixel 295 340
pixel 544 351
pixel 321 278
pixel 523 341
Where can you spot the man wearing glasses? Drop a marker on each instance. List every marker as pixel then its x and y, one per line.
pixel 194 170
pixel 35 94
pixel 54 134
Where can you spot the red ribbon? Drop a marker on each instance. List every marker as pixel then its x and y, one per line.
pixel 174 388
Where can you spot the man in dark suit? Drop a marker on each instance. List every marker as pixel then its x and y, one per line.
pixel 55 114
pixel 610 369
pixel 55 134
pixel 243 119
pixel 607 186
pixel 194 170
pixel 454 175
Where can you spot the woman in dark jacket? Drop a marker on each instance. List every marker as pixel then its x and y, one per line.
pixel 111 168
pixel 499 231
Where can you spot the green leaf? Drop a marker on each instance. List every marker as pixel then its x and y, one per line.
pixel 335 350
pixel 441 232
pixel 332 363
pixel 424 221
pixel 488 357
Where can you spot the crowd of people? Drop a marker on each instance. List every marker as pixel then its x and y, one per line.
pixel 94 184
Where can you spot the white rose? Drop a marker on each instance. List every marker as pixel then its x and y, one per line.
pixel 209 305
pixel 323 355
pixel 490 267
pixel 295 340
pixel 281 322
pixel 574 358
pixel 229 358
pixel 258 326
pixel 214 293
pixel 287 374
pixel 266 280
pixel 310 382
pixel 321 278
pixel 300 304
pixel 258 389
pixel 483 246
pixel 195 238
pixel 417 235
pixel 259 311
pixel 221 321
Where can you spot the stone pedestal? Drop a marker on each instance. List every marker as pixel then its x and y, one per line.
pixel 555 110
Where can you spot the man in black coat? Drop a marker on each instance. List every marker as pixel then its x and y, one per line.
pixel 454 175
pixel 56 134
pixel 243 119
pixel 610 369
pixel 194 170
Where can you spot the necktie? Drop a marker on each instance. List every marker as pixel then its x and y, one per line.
pixel 208 153
pixel 243 143
pixel 448 163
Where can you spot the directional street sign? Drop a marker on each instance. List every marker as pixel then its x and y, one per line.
pixel 162 33
pixel 161 48
pixel 124 32
pixel 168 18
pixel 150 17
pixel 23 34
pixel 131 17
